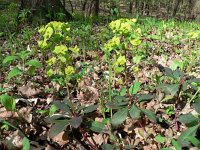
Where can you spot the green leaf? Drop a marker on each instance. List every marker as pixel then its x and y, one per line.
pixel 159 138
pixel 134 88
pixel 75 121
pixel 97 126
pixel 119 117
pixel 8 102
pixel 150 114
pixel 52 110
pixel 176 145
pixel 34 63
pixel 194 141
pixel 154 37
pixel 196 105
pixel 188 119
pixel 53 119
pixel 90 108
pixel 9 59
pixel 176 64
pixel 123 91
pixel 146 97
pixel 63 106
pixel 58 127
pixel 107 147
pixel 14 72
pixel 135 112
pixel 118 98
pixel 165 149
pixel 173 89
pixel 187 133
pixel 26 144
pixel 131 147
pixel 167 71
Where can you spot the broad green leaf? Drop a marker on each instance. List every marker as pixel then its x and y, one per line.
pixel 131 147
pixel 187 133
pixel 119 99
pixel 135 112
pixel 150 114
pixel 8 102
pixel 167 71
pixel 119 117
pixel 55 118
pixel 155 37
pixel 134 88
pixel 58 127
pixel 123 91
pixel 137 59
pixel 159 138
pixel 63 106
pixel 176 64
pixel 196 105
pixel 188 119
pixel 90 108
pixel 9 59
pixel 172 89
pixel 194 141
pixel 176 145
pixel 97 126
pixel 34 63
pixel 26 144
pixel 146 97
pixel 178 74
pixel 107 147
pixel 165 149
pixel 52 110
pixel 14 72
pixel 75 121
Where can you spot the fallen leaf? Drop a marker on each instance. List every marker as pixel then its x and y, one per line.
pixel 61 138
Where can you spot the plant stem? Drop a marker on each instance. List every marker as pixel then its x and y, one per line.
pixel 110 83
pixel 70 100
pixel 194 95
pixel 125 66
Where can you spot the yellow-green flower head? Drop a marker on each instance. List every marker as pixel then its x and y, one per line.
pixel 51 61
pixel 50 72
pixel 121 60
pixel 74 49
pixel 193 35
pixel 122 26
pixel 112 43
pixel 58 25
pixel 42 44
pixel 61 49
pixel 69 70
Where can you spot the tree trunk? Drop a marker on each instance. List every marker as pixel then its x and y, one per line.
pixel 195 14
pixel 131 7
pixel 43 11
pixel 94 8
pixel 176 4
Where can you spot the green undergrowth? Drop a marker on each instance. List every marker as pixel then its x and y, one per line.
pixel 148 71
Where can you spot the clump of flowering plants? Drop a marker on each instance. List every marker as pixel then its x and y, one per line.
pixel 126 36
pixel 56 44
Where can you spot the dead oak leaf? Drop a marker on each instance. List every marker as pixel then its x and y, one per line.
pixel 28 91
pixel 61 138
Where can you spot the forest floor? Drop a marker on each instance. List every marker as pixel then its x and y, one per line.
pixel 145 97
